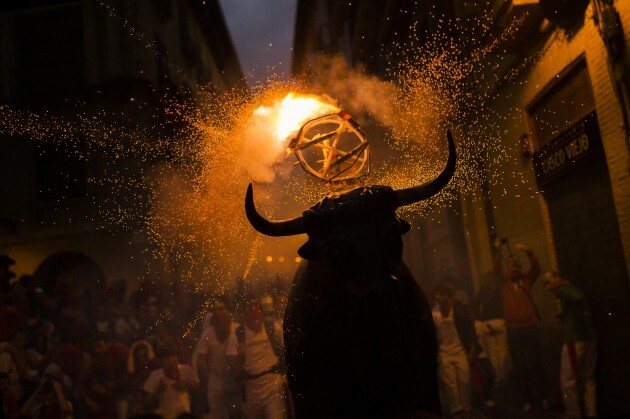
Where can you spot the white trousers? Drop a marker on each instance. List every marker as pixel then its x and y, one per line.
pixel 454 372
pixel 577 381
pixel 496 345
pixel 264 398
pixel 217 407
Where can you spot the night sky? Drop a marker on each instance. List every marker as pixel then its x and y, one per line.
pixel 262 32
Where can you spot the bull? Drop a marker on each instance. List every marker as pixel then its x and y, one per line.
pixel 359 335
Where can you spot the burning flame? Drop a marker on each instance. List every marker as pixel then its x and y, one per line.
pixel 269 130
pixel 292 112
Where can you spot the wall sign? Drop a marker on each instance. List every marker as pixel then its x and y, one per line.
pixel 568 150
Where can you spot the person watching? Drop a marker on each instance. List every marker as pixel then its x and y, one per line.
pixel 579 348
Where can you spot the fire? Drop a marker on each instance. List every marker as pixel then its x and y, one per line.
pixel 269 129
pixel 289 114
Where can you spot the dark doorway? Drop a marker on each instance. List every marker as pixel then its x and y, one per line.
pixel 589 252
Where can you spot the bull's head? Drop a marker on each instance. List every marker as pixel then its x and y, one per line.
pixel 354 228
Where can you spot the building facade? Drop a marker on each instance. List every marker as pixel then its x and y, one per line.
pixel 574 123
pixel 561 103
pixel 113 61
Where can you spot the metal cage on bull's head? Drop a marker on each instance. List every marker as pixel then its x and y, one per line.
pixel 332 148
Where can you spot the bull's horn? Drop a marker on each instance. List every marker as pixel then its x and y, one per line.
pixel 268 227
pixel 418 193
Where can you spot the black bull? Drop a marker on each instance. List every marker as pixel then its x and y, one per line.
pixel 359 335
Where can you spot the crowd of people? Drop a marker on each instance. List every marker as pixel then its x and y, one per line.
pixel 114 353
pixel 497 337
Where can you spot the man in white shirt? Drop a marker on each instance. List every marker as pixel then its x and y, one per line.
pixel 223 391
pixel 264 391
pixel 457 342
pixel 169 387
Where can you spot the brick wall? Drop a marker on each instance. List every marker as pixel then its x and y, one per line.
pixel 610 117
pixel 521 213
pixel 518 215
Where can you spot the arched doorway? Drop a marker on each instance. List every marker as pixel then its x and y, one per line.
pixel 68 275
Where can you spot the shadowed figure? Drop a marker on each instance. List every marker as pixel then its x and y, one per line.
pixel 358 330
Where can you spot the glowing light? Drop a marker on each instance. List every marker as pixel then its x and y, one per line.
pixel 186 222
pixel 293 111
pixel 281 259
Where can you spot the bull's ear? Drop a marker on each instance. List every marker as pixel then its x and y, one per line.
pixel 404 226
pixel 310 251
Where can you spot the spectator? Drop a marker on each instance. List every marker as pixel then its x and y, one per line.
pixel 521 320
pixel 162 335
pixel 69 356
pixel 37 350
pixel 146 293
pixel 262 362
pixel 149 317
pixel 10 317
pixel 102 322
pixel 140 364
pixel 579 348
pixel 481 368
pixel 168 388
pixel 223 391
pixel 457 348
pixel 14 361
pixel 489 311
pixel 36 321
pixel 126 326
pixel 51 398
pixel 19 350
pixel 106 383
